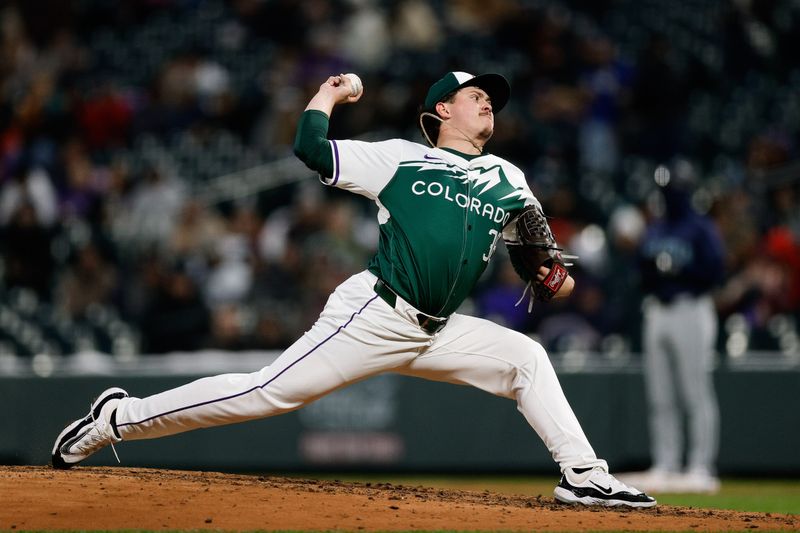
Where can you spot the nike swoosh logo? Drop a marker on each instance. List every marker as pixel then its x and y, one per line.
pixel 426 156
pixel 602 489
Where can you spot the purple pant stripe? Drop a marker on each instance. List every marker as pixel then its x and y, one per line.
pixel 335 162
pixel 340 328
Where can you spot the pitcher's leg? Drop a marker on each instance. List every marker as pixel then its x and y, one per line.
pixel 229 398
pixel 347 343
pixel 506 363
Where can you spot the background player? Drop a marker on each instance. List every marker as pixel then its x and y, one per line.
pixel 441 212
pixel 681 260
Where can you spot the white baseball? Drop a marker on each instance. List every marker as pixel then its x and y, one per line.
pixel 355 84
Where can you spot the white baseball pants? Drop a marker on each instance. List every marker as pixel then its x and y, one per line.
pixel 359 335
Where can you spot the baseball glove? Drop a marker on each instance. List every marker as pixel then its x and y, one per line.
pixel 535 247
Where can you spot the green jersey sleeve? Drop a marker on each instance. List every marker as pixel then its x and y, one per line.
pixel 311 144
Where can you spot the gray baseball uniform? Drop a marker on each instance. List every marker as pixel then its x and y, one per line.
pixel 681 261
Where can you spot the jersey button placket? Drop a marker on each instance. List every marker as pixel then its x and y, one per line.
pixel 469 224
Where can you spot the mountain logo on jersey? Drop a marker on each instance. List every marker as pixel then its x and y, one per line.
pixel 483 179
pixel 434 177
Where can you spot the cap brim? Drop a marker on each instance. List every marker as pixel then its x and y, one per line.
pixel 495 85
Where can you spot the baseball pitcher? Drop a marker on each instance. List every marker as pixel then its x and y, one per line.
pixel 442 209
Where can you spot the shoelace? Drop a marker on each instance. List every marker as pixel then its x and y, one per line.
pixel 100 438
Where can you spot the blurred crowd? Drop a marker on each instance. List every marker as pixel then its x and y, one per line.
pixel 114 116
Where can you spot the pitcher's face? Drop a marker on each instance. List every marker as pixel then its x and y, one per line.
pixel 471 113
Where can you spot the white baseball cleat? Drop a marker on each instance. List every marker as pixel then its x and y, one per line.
pixel 597 487
pixel 87 435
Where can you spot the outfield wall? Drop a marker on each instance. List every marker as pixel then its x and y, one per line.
pixel 398 423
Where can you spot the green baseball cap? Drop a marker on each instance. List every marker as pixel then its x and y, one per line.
pixel 495 85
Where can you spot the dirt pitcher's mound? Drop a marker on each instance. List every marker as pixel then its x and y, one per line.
pixel 126 498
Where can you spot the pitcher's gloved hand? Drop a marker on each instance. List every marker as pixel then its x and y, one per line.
pixel 536 247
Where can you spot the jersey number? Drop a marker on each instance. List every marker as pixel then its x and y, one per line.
pixel 495 235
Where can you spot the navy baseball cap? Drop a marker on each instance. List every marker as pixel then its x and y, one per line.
pixel 495 85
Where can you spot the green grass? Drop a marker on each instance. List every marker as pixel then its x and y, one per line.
pixel 766 496
pixel 755 495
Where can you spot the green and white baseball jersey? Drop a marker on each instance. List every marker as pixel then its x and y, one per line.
pixel 441 214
